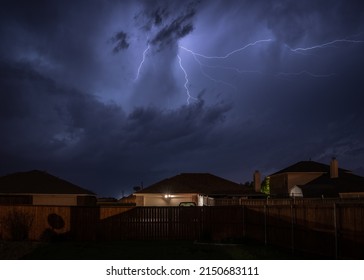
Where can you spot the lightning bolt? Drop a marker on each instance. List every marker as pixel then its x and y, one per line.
pixel 142 62
pixel 204 72
pixel 189 96
pixel 302 73
pixel 325 45
pixel 199 57
pixel 300 50
pixel 303 51
pixel 230 53
pixel 186 81
pixel 229 68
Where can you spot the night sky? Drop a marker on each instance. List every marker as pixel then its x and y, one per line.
pixel 109 94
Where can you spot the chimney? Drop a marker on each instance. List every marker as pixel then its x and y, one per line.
pixel 334 168
pixel 257 183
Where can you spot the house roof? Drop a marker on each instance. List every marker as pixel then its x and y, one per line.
pixel 38 182
pixel 202 183
pixel 331 187
pixel 308 166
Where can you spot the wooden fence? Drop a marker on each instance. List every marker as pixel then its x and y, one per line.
pixel 333 230
pixel 295 201
pixel 173 223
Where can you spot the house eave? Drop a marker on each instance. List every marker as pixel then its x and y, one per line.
pixel 159 194
pixel 70 194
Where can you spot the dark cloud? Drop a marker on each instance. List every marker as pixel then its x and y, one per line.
pixel 158 16
pixel 177 29
pixel 120 40
pixel 293 21
pixel 65 128
pixel 71 107
pixel 39 14
pixel 288 21
pixel 152 16
pixel 171 20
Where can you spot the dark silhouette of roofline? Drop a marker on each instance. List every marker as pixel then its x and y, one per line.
pixel 38 182
pixel 307 166
pixel 202 183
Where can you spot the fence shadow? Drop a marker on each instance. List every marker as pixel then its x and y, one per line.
pixel 56 223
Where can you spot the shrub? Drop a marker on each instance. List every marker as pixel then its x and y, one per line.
pixel 18 225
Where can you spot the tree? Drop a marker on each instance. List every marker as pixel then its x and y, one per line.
pixel 265 186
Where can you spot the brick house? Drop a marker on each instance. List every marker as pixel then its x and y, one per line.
pixel 314 179
pixel 200 188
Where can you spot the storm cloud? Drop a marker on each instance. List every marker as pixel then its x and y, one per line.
pixel 120 41
pixel 110 94
pixel 177 29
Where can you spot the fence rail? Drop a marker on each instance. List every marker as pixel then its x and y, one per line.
pixel 335 230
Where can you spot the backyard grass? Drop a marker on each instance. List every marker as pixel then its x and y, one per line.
pixel 155 250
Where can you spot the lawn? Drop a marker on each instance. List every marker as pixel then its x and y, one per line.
pixel 155 250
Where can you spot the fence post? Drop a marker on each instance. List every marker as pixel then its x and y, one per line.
pixel 244 222
pixel 336 233
pixel 265 225
pixel 292 227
